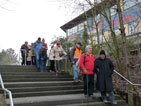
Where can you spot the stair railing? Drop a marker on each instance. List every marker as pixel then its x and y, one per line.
pixel 126 79
pixel 6 91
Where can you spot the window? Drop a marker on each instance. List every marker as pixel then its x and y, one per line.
pixel 139 0
pixel 90 21
pixel 80 26
pixel 74 29
pixel 113 10
pixel 133 28
pixel 70 32
pixel 128 3
pixel 101 39
pixel 117 32
pixel 98 18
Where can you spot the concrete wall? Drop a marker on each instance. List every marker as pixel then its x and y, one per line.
pixel 2 100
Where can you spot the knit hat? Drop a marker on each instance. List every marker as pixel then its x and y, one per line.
pixel 79 43
pixel 58 43
pixel 39 38
pixel 102 52
pixel 43 40
pixel 45 45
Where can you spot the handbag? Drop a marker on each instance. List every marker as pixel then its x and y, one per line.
pixel 61 54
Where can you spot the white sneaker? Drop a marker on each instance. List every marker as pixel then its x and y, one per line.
pixel 114 102
pixel 105 101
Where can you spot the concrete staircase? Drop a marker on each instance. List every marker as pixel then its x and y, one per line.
pixel 32 88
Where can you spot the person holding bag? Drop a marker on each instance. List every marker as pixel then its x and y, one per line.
pixel 59 53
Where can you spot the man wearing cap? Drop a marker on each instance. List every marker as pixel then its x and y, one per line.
pixel 36 48
pixel 104 70
pixel 75 54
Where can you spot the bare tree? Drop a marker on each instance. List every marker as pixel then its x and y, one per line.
pixel 103 9
pixel 3 4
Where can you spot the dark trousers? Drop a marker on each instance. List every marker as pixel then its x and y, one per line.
pixel 52 63
pixel 88 84
pixel 33 59
pixel 24 60
pixel 28 62
pixel 111 95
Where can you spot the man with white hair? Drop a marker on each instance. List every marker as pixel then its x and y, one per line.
pixel 87 70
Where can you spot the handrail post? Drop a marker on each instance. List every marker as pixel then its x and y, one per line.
pixel 6 90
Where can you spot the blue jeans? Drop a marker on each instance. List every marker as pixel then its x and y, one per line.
pixel 75 73
pixel 43 66
pixel 37 59
pixel 111 95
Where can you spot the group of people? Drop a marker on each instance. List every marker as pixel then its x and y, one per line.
pixel 87 62
pixel 90 65
pixel 36 54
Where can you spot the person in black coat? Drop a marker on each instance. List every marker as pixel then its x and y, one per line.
pixel 24 52
pixel 43 58
pixel 104 70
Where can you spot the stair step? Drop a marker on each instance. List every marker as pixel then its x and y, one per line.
pixel 33 73
pixel 36 79
pixel 40 84
pixel 46 93
pixel 34 76
pixel 30 87
pixel 63 100
pixel 119 103
pixel 37 89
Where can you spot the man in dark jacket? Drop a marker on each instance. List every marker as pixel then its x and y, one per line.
pixel 24 52
pixel 104 69
pixel 43 58
pixel 75 54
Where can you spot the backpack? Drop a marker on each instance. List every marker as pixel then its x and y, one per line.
pixel 78 61
pixel 69 57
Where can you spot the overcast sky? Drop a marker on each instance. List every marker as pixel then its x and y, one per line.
pixel 26 20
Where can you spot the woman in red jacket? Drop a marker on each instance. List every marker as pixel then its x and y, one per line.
pixel 87 70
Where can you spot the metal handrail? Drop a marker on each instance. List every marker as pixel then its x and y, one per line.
pixel 127 79
pixel 25 55
pixel 8 91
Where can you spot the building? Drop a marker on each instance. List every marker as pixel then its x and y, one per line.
pixel 131 17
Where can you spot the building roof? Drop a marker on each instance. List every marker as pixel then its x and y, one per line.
pixel 79 18
pixel 76 20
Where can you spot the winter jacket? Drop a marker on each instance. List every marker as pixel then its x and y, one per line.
pixel 24 50
pixel 32 51
pixel 29 56
pixel 37 46
pixel 51 55
pixel 88 64
pixel 43 54
pixel 104 69
pixel 73 52
pixel 58 51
